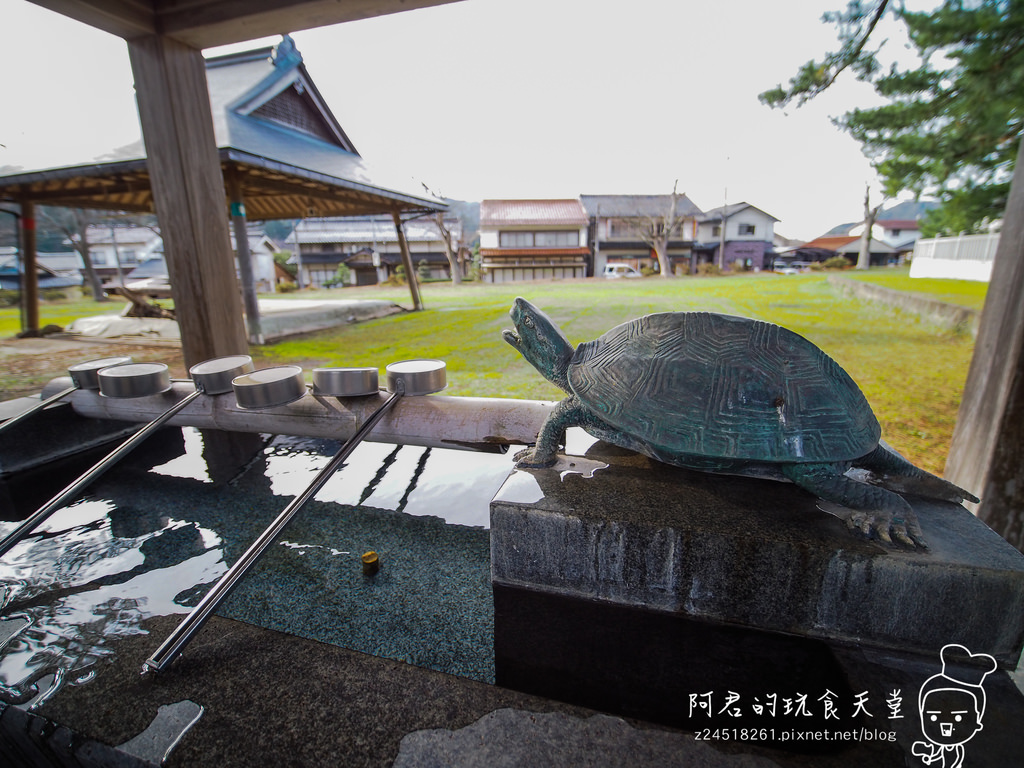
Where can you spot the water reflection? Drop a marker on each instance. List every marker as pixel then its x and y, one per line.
pixel 155 533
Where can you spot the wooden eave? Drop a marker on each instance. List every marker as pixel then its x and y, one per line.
pixel 208 23
pixel 271 190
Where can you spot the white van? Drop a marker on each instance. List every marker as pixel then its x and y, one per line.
pixel 620 270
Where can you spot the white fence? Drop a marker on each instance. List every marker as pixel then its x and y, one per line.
pixel 968 257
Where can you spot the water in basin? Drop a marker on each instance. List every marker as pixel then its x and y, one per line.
pixel 156 532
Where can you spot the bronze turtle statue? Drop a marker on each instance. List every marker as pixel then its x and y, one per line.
pixel 727 394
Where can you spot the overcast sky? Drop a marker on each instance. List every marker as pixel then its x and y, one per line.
pixel 515 99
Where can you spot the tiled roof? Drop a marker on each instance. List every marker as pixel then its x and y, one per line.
pixel 366 230
pixel 715 214
pixel 496 213
pixel 830 243
pixel 843 244
pixel 626 206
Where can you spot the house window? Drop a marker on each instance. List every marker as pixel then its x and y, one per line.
pixel 555 239
pixel 716 231
pixel 568 239
pixel 516 239
pixel 747 229
pixel 622 228
pixel 98 259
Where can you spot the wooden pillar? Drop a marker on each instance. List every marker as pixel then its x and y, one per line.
pixel 30 286
pixel 245 272
pixel 410 273
pixel 987 452
pixel 188 192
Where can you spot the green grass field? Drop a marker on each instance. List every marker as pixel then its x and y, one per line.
pixel 911 372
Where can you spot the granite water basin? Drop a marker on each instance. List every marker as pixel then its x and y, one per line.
pixel 152 536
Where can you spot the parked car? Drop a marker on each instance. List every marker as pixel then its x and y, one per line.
pixel 620 270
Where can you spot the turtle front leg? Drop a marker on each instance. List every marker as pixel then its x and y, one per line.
pixel 568 413
pixel 871 510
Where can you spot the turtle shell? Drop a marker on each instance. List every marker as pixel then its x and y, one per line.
pixel 708 385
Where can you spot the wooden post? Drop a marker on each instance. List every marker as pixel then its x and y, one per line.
pixel 410 273
pixel 986 455
pixel 249 299
pixel 188 192
pixel 30 288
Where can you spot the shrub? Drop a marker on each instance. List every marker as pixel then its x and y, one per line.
pixel 53 294
pixel 9 298
pixel 836 262
pixel 286 287
pixel 708 268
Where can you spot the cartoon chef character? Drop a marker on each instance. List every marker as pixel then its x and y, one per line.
pixel 952 704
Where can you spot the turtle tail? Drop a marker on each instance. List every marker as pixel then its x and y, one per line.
pixel 888 469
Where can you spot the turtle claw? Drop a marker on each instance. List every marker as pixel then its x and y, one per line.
pixel 527 459
pixel 883 526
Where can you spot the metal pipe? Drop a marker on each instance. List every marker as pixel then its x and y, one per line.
pixel 92 474
pixel 37 407
pixel 183 633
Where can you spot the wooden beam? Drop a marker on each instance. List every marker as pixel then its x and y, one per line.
pixel 986 455
pixel 188 192
pixel 410 273
pixel 30 288
pixel 208 23
pixel 249 299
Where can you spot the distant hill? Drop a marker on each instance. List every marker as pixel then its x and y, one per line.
pixel 469 214
pixel 908 210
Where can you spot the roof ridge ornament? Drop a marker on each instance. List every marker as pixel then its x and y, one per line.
pixel 286 54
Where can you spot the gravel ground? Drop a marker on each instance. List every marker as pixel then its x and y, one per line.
pixel 26 365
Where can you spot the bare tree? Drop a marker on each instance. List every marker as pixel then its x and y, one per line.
pixel 74 222
pixel 870 214
pixel 655 231
pixel 451 252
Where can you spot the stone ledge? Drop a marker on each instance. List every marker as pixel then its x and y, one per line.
pixel 951 316
pixel 755 553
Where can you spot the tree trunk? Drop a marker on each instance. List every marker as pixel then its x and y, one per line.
pixel 864 258
pixel 661 251
pixel 82 246
pixel 453 261
pixel 986 455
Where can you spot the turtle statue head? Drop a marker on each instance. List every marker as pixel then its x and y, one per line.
pixel 541 342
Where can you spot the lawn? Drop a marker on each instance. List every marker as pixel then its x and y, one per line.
pixel 911 372
pixel 60 313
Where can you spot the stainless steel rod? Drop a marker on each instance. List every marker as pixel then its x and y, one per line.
pixel 183 633
pixel 37 407
pixel 90 475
